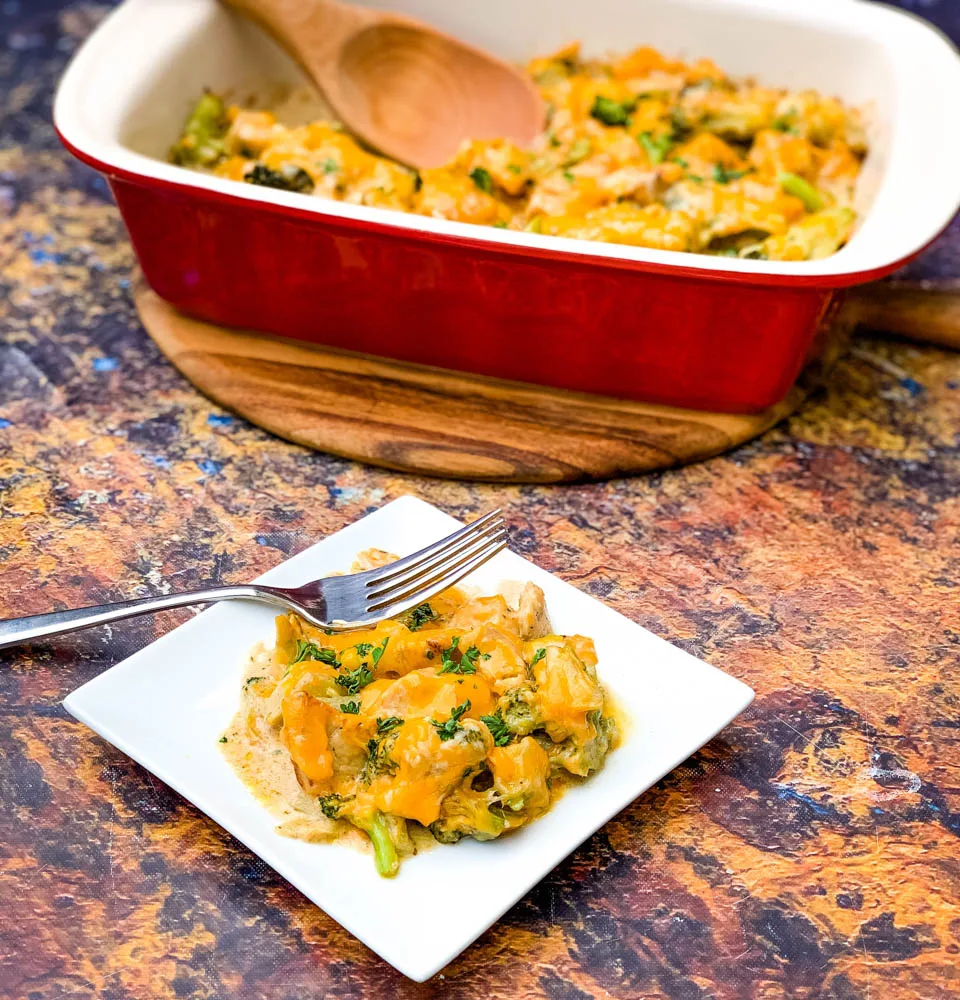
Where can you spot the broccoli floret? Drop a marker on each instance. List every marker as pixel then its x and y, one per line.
pixel 519 711
pixel 804 190
pixel 287 178
pixel 385 855
pixel 582 758
pixel 386 833
pixel 331 805
pixel 612 112
pixel 379 761
pixel 467 813
pixel 201 143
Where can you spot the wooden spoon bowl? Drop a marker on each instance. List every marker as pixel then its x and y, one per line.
pixel 403 87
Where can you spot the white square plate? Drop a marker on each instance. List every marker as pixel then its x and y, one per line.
pixel 167 705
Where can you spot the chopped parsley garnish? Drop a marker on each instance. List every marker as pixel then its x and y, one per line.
pixel 656 147
pixel 379 651
pixel 363 648
pixel 679 159
pixel 447 730
pixel 385 725
pixel 499 224
pixel 569 176
pixel 330 805
pixel 785 123
pixel 252 680
pixel 723 176
pixel 351 707
pixel 612 112
pixel 223 739
pixel 330 166
pixel 514 168
pixel 307 650
pixel 538 656
pixel 353 680
pixel 460 661
pixel 481 177
pixel 417 617
pixel 287 178
pixel 498 728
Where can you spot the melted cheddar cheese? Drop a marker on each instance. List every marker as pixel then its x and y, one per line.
pixel 642 150
pixel 463 718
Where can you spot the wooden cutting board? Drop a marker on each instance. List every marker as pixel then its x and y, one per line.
pixel 436 422
pixel 440 423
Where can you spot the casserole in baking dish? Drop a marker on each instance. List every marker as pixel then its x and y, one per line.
pixel 709 332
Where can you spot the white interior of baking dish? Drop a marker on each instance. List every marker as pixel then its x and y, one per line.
pixel 124 99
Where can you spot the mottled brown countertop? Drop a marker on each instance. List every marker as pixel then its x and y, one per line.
pixel 812 850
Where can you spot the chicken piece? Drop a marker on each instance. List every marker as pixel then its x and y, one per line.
pixel 521 776
pixel 480 611
pixel 426 766
pixel 447 195
pixel 566 693
pixel 425 693
pixel 650 226
pixel 304 733
pixel 586 651
pixel 773 153
pixel 838 173
pixel 501 663
pixel 814 237
pixel 251 132
pixel 505 163
pixel 640 184
pixel 821 119
pixel 704 151
pixel 530 615
pixel 561 195
pixel 387 185
pixel 720 210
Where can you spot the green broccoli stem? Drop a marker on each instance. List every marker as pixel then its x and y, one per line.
pixel 384 851
pixel 804 190
pixel 202 139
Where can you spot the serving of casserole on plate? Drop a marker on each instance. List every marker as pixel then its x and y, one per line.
pixel 169 705
pixel 465 717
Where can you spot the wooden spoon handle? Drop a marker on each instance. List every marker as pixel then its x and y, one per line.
pixel 312 31
pixel 928 316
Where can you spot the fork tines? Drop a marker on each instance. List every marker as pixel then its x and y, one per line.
pixel 420 576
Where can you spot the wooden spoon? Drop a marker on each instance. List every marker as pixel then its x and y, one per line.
pixel 403 87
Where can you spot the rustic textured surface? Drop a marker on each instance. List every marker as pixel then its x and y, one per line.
pixel 813 850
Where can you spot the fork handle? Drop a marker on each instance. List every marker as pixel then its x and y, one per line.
pixel 14 631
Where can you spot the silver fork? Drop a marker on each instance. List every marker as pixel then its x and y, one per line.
pixel 338 603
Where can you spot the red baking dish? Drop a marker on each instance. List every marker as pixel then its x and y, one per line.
pixel 687 330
